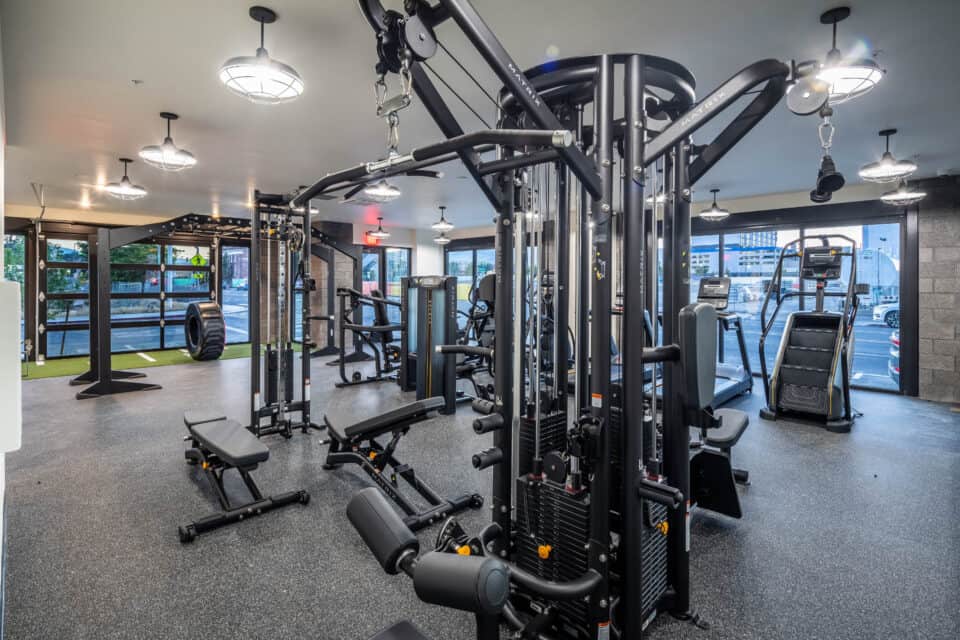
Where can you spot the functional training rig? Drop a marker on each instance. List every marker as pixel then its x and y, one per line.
pixel 103 380
pixel 623 555
pixel 816 347
pixel 216 446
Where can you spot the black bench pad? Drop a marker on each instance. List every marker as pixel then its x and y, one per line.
pixel 231 442
pixel 733 424
pixel 199 416
pixel 402 630
pixel 385 422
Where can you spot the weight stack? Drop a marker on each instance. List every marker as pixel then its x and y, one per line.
pixel 553 529
pixel 553 437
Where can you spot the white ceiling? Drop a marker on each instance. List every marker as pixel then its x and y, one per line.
pixel 72 108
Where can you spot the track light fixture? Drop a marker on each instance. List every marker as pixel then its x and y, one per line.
pixel 125 190
pixel 904 195
pixel 847 78
pixel 441 225
pixel 714 213
pixel 887 168
pixel 382 192
pixel 379 233
pixel 259 78
pixel 167 156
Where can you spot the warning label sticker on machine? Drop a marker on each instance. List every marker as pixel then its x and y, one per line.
pixel 603 631
pixel 596 400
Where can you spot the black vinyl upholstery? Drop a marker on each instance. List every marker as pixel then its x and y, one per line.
pixel 732 425
pixel 231 442
pixel 199 416
pixel 371 427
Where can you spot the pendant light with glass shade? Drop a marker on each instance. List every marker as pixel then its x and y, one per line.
pixel 904 195
pixel 848 78
pixel 887 168
pixel 260 78
pixel 379 233
pixel 714 213
pixel 125 189
pixel 442 225
pixel 442 239
pixel 167 156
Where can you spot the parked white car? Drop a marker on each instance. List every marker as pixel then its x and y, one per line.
pixel 889 314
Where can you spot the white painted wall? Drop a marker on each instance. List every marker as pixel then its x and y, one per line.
pixel 428 255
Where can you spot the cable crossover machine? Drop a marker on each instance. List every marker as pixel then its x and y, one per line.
pixel 591 495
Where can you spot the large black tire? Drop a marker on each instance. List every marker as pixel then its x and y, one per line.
pixel 205 330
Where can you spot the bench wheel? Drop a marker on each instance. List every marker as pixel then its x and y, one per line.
pixel 304 497
pixel 187 534
pixel 356 376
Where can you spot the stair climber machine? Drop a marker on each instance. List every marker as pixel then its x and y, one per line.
pixel 591 497
pixel 732 380
pixel 811 374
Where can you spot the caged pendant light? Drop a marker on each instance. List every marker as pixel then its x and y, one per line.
pixel 887 168
pixel 167 156
pixel 260 78
pixel 125 189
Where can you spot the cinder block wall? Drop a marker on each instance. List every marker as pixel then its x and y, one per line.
pixel 939 294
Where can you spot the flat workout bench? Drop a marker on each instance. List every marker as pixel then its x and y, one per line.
pixel 357 444
pixel 218 444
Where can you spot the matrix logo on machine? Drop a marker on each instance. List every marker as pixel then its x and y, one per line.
pixel 705 106
pixel 523 83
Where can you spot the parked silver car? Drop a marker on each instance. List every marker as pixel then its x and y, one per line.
pixel 889 314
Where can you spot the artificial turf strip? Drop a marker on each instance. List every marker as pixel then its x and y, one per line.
pixel 75 366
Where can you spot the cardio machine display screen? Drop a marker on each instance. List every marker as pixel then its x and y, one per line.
pixel 715 291
pixel 821 263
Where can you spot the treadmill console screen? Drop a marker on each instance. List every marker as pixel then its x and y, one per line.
pixel 821 263
pixel 715 291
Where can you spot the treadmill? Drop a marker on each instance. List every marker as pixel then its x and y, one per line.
pixel 732 380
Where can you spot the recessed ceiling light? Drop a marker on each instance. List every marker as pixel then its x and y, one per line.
pixel 167 156
pixel 125 190
pixel 887 168
pixel 260 78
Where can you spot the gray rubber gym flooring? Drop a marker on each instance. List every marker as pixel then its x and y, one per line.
pixel 843 536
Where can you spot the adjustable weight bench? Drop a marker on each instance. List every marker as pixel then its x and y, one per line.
pixel 357 444
pixel 217 445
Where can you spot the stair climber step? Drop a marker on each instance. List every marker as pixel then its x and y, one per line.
pixel 805 376
pixel 815 338
pixel 804 398
pixel 816 357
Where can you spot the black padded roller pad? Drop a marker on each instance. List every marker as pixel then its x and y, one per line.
pixel 468 583
pixel 231 443
pixel 381 528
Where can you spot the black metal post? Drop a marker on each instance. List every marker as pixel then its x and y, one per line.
pixel 503 358
pixel 582 358
pixel 255 315
pixel 676 295
pixel 562 280
pixel 599 552
pixel 633 339
pixel 99 250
